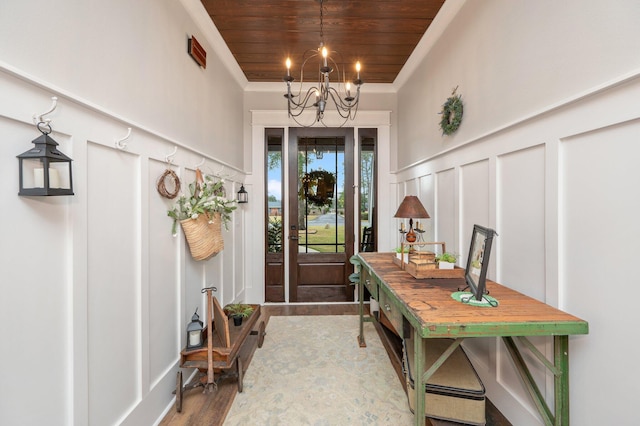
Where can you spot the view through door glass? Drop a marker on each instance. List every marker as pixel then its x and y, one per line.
pixel 321 196
pixel 274 259
pixel 367 195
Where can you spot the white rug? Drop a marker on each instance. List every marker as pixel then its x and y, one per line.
pixel 311 371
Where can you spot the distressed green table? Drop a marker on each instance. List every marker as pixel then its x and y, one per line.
pixel 426 306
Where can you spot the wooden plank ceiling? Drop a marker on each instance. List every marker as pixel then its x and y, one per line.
pixel 381 34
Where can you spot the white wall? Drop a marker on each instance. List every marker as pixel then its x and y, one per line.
pixel 96 292
pixel 512 61
pixel 546 154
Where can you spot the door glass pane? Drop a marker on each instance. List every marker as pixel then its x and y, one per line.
pixel 321 195
pixel 274 195
pixel 367 194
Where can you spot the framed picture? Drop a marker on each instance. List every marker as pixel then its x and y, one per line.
pixel 478 260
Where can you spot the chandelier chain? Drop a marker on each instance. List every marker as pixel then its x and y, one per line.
pixel 321 24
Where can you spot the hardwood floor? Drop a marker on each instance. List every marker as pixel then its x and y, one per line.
pixel 211 408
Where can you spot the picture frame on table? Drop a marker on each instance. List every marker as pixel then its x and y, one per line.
pixel 478 260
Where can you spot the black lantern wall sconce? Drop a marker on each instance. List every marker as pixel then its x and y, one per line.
pixel 44 170
pixel 243 195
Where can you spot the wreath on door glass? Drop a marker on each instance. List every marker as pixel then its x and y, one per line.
pixel 451 114
pixel 318 188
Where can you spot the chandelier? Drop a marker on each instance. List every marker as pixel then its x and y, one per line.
pixel 318 96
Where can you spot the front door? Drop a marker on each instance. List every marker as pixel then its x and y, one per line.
pixel 320 209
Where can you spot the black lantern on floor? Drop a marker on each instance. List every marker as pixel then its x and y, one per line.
pixel 243 195
pixel 43 169
pixel 194 332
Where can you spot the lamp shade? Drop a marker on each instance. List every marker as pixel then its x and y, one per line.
pixel 411 208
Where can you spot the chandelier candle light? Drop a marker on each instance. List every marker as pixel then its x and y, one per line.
pixel 318 95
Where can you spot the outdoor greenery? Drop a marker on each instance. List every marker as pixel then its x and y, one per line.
pixel 274 235
pixel 320 234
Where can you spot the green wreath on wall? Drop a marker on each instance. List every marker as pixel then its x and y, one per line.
pixel 451 114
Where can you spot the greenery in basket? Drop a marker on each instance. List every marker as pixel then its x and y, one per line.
pixel 238 309
pixel 447 257
pixel 400 249
pixel 206 197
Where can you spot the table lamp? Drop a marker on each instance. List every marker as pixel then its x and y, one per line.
pixel 411 208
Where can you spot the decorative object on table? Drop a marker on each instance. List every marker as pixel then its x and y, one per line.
pixel 466 297
pixel 238 311
pixel 402 253
pixel 446 260
pixel 201 215
pixel 419 231
pixel 317 97
pixel 477 264
pixel 194 332
pixel 168 184
pixel 422 263
pixel 243 195
pixel 44 170
pixel 318 187
pixel 451 114
pixel 410 208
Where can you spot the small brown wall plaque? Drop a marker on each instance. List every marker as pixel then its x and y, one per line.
pixel 197 52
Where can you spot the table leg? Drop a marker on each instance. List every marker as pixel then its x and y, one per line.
pixel 530 384
pixel 419 383
pixel 361 341
pixel 561 361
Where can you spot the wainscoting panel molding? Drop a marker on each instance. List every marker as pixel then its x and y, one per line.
pixel 599 205
pixel 164 296
pixel 446 217
pixel 113 304
pixel 521 201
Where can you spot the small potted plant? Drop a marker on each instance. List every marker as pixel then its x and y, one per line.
pixel 446 260
pixel 400 251
pixel 238 311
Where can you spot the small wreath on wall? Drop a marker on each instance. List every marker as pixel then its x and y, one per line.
pixel 170 191
pixel 451 114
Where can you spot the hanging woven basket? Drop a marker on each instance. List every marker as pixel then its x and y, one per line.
pixel 204 238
